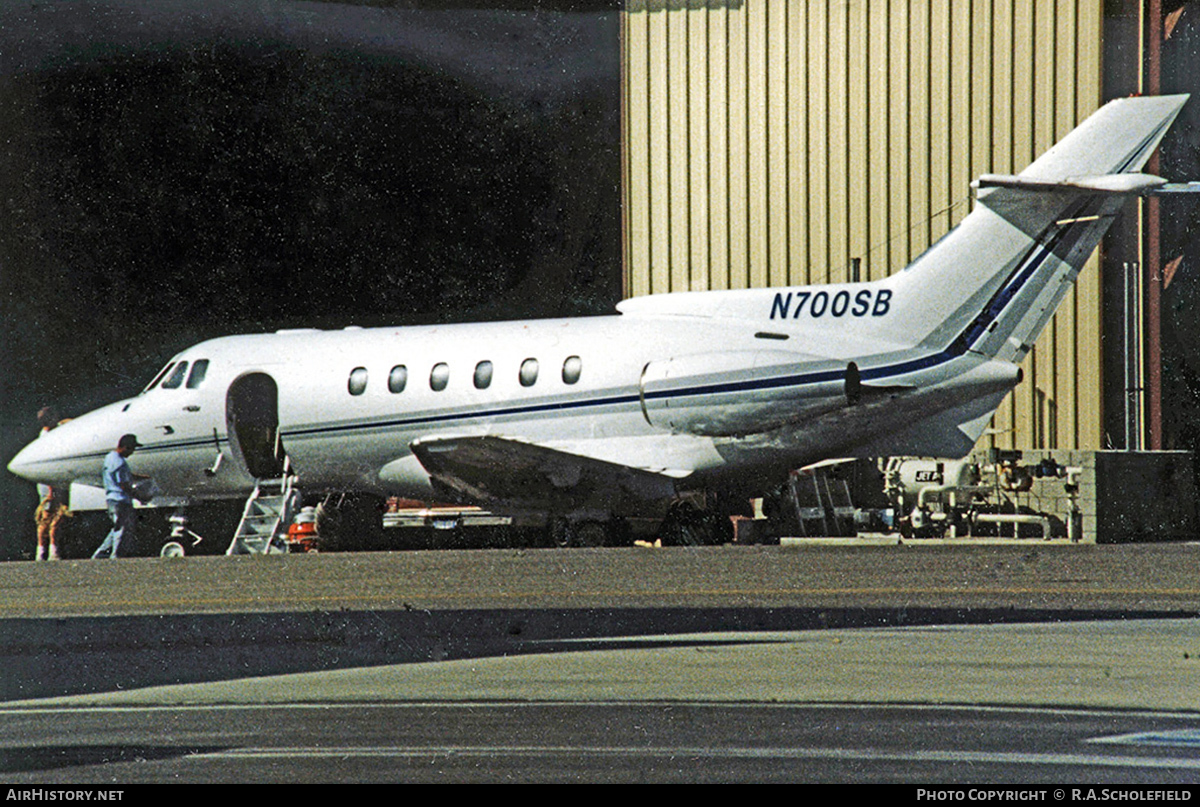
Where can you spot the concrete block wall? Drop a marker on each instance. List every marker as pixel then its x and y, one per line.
pixel 1124 497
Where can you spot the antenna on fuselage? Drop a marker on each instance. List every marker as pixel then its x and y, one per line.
pixel 212 471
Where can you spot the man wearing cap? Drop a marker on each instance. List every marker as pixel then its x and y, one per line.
pixel 118 494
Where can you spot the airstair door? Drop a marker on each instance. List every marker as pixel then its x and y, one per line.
pixel 252 419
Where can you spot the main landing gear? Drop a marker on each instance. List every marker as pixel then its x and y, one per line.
pixel 587 532
pixel 689 525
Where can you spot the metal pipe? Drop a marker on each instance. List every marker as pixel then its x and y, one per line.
pixel 1016 518
pixel 1154 284
pixel 1134 330
pixel 930 490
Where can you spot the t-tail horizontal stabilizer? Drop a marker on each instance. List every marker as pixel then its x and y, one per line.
pixel 989 287
pixel 1118 184
pixel 1177 188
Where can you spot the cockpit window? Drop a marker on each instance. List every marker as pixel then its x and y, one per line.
pixel 199 368
pixel 159 377
pixel 175 379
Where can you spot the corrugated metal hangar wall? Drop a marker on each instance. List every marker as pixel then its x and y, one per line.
pixel 770 142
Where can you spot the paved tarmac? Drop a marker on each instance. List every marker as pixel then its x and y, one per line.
pixel 922 663
pixel 1098 703
pixel 1025 576
pixel 1134 664
pixel 66 626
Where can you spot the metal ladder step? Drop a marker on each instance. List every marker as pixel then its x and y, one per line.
pixel 265 518
pixel 810 509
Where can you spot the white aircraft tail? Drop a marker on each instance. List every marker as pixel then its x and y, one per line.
pixel 992 283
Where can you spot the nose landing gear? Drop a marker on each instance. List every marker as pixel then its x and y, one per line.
pixel 179 533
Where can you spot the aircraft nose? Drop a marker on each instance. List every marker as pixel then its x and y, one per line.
pixel 26 462
pixel 56 456
pixel 74 450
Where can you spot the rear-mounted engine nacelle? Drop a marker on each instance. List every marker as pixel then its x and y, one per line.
pixel 741 392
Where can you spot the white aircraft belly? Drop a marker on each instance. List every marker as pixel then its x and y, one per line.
pixel 674 455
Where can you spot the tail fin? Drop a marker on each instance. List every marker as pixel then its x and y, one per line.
pixel 994 281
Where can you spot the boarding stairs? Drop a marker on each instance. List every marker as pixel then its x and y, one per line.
pixel 268 514
pixel 823 505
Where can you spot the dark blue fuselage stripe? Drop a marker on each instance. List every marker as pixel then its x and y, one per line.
pixel 1014 284
pixel 1020 276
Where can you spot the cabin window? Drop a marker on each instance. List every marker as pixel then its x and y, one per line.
pixel 398 378
pixel 199 369
pixel 439 377
pixel 483 375
pixel 160 375
pixel 175 379
pixel 358 381
pixel 572 367
pixel 529 372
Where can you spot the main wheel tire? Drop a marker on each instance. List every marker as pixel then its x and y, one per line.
pixel 565 533
pixel 684 526
pixel 591 533
pixel 562 533
pixel 352 524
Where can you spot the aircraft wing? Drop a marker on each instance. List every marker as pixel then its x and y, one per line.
pixel 526 476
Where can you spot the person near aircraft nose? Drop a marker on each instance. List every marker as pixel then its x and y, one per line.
pixel 52 507
pixel 118 493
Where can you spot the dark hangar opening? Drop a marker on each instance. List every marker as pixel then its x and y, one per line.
pixel 172 172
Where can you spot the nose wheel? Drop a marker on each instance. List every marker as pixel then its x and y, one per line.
pixel 174 548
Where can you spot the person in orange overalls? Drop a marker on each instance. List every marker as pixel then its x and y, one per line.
pixel 52 508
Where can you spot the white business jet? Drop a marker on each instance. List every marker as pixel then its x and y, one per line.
pixel 593 419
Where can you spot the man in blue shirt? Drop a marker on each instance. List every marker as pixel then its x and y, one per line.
pixel 118 494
